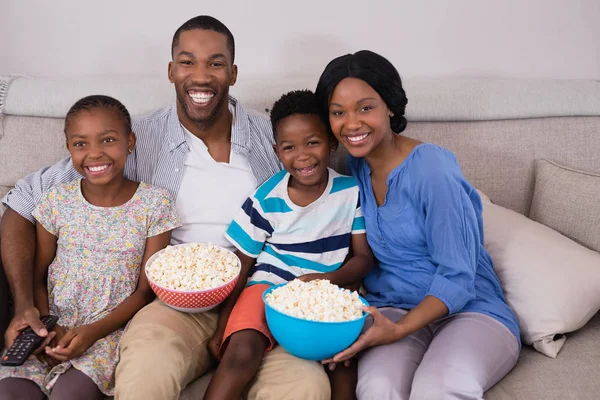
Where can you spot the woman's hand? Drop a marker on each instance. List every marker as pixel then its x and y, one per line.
pixel 383 331
pixel 73 344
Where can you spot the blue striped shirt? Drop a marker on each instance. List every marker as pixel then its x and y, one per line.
pixel 288 240
pixel 159 156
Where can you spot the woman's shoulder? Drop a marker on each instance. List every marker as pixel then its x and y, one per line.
pixel 429 158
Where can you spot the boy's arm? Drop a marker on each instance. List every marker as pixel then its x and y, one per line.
pixel 247 263
pixel 355 269
pixel 79 339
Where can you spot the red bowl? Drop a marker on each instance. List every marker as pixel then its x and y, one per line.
pixel 191 301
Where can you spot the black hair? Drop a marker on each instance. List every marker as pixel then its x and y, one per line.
pixel 296 102
pixel 376 71
pixel 208 23
pixel 99 101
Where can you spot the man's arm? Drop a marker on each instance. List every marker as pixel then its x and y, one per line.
pixel 17 241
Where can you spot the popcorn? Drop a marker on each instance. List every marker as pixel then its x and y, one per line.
pixel 193 267
pixel 317 300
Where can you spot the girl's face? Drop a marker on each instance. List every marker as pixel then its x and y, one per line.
pixel 99 144
pixel 358 116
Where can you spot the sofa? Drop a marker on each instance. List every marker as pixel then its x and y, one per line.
pixel 503 132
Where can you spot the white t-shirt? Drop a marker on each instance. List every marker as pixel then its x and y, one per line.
pixel 210 195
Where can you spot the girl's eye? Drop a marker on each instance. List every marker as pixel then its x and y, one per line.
pixel 109 140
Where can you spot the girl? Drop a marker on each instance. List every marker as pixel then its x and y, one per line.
pixel 93 236
pixel 442 328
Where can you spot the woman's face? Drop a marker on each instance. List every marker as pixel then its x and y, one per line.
pixel 358 116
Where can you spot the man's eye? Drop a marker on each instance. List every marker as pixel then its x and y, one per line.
pixel 185 62
pixel 217 64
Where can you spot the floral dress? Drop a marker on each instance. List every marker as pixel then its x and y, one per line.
pixel 97 266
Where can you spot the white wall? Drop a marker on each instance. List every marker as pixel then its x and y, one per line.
pixel 507 38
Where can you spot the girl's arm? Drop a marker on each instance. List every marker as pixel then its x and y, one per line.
pixel 247 263
pixel 78 340
pixel 353 270
pixel 44 255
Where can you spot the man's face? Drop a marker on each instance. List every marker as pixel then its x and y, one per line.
pixel 202 72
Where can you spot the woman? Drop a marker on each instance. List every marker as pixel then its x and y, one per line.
pixel 440 323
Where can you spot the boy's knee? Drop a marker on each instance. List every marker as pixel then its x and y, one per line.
pixel 243 351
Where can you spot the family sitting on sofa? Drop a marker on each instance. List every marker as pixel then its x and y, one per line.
pixel 76 235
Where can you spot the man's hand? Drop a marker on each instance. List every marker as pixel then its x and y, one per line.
pixel 73 344
pixel 214 344
pixel 29 317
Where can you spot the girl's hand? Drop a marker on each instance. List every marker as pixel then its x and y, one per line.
pixel 54 335
pixel 383 331
pixel 73 344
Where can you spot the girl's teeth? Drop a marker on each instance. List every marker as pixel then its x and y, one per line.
pixel 357 138
pixel 98 169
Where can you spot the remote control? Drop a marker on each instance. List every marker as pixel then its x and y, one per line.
pixel 26 343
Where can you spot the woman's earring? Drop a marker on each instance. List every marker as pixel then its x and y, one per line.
pixel 391 114
pixel 130 151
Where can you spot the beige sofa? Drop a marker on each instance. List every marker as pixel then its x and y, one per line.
pixel 497 128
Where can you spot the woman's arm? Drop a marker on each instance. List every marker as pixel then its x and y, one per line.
pixel 79 339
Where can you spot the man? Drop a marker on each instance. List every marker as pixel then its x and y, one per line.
pixel 210 154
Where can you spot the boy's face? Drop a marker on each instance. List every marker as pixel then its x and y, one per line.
pixel 304 147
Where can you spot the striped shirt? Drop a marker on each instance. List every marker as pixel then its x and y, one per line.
pixel 288 240
pixel 159 156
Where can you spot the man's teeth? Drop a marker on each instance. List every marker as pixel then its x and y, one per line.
pixel 98 169
pixel 201 97
pixel 357 138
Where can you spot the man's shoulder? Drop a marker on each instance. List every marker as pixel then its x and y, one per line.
pixel 155 119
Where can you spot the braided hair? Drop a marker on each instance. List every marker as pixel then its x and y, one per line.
pixel 99 101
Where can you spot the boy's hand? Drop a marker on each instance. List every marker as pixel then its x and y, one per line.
pixel 73 344
pixel 312 277
pixel 214 344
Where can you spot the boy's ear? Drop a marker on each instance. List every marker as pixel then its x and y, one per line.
pixel 276 150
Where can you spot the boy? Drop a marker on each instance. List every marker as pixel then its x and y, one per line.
pixel 303 222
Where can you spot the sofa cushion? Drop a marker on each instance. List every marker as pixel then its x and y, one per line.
pixel 566 200
pixel 551 282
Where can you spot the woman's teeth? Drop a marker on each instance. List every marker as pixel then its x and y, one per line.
pixel 201 97
pixel 358 138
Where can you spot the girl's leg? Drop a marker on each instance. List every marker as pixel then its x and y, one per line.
pixel 470 352
pixel 386 372
pixel 238 366
pixel 75 385
pixel 19 388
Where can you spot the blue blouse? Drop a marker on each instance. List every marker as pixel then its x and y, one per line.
pixel 427 238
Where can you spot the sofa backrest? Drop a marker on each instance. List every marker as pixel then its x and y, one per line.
pixel 496 128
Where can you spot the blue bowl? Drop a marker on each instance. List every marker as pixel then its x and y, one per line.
pixel 312 340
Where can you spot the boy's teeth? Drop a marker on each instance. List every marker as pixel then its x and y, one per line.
pixel 357 138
